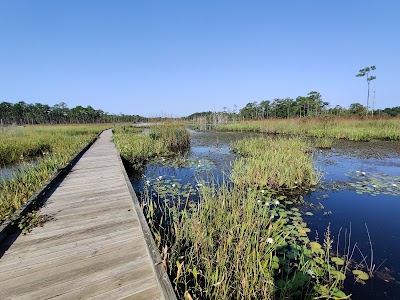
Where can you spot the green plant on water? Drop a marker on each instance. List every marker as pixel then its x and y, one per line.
pixel 323 143
pixel 373 183
pixel 242 239
pixel 274 164
pixel 233 244
pixel 159 141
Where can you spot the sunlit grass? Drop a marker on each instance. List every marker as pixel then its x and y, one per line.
pixel 280 164
pixel 138 147
pixel 236 242
pixel 339 128
pixel 233 244
pixel 21 143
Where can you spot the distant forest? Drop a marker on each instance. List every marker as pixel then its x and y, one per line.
pixel 23 113
pixel 308 106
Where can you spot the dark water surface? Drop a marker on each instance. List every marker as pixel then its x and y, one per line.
pixel 348 208
pixel 372 200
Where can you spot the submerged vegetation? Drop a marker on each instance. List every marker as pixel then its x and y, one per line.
pixel 52 146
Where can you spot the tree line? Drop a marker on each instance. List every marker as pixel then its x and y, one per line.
pixel 309 106
pixel 23 113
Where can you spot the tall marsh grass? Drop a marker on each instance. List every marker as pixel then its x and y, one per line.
pixel 284 164
pixel 234 242
pixel 339 128
pixel 234 245
pixel 138 147
pixel 21 143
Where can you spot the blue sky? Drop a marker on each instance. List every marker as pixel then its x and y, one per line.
pixel 173 58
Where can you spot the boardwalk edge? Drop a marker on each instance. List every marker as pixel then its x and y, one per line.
pixel 162 276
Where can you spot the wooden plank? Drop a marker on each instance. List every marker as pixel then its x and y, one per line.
pixel 94 248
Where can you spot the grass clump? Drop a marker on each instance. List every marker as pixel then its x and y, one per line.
pixel 233 245
pixel 139 147
pixel 323 143
pixel 233 242
pixel 31 220
pixel 276 164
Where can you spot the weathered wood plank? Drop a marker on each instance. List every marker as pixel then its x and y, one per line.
pixel 94 248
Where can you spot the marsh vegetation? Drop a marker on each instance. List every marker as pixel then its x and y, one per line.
pixel 52 147
pixel 245 234
pixel 245 214
pixel 138 147
pixel 324 127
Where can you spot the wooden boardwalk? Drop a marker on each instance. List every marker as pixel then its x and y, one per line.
pixel 94 248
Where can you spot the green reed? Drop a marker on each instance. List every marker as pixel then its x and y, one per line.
pixel 277 164
pixel 323 143
pixel 138 147
pixel 233 244
pixel 236 242
pixel 339 128
pixel 21 143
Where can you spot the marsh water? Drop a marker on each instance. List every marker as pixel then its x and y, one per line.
pixel 8 171
pixel 359 192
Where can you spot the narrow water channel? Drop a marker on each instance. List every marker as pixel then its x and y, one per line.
pixel 360 188
pixel 7 171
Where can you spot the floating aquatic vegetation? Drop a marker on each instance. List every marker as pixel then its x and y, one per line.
pixel 168 187
pixel 160 142
pixel 201 165
pixel 374 184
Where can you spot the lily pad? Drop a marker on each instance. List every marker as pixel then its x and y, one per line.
pixel 338 261
pixel 360 274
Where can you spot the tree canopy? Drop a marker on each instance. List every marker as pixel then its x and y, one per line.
pixel 24 113
pixel 309 106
